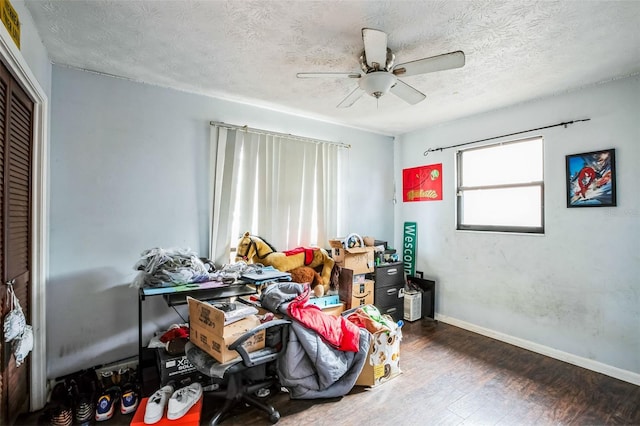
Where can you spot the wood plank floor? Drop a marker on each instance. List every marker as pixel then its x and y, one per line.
pixel 455 377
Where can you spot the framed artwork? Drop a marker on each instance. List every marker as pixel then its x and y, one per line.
pixel 591 179
pixel 422 183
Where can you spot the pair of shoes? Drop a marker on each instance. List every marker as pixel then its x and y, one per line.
pixel 156 403
pixel 61 416
pixel 119 388
pixel 130 391
pixel 178 403
pixel 183 399
pixel 83 411
pixel 73 399
pixel 130 398
pixel 109 396
pixel 61 412
pixel 83 388
pixel 107 402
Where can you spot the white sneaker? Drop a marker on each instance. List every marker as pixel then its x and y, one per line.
pixel 156 403
pixel 183 399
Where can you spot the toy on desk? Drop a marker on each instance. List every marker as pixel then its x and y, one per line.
pixel 251 248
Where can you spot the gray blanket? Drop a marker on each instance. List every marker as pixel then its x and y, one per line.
pixel 310 367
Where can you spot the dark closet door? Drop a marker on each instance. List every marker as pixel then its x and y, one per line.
pixel 16 135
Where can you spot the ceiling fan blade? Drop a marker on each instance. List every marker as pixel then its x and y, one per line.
pixel 432 64
pixel 375 47
pixel 407 93
pixel 351 98
pixel 328 74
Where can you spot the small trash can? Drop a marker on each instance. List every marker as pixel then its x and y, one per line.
pixel 412 305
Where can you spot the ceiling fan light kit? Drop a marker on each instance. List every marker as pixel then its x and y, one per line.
pixel 377 84
pixel 379 75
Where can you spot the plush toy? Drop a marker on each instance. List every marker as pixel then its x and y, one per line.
pixel 253 249
pixel 307 275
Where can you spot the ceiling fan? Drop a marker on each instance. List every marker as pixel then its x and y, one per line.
pixel 379 75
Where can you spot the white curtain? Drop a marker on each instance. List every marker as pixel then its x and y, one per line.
pixel 281 188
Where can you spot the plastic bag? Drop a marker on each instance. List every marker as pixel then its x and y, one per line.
pixel 23 345
pixel 14 322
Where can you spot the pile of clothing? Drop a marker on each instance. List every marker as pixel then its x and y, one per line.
pixel 175 266
pixel 324 354
pixel 168 267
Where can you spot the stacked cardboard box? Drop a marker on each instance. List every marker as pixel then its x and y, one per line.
pixel 354 289
pixel 359 259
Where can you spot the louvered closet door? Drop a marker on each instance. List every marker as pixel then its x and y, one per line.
pixel 16 123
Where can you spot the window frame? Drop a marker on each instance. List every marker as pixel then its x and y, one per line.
pixel 497 228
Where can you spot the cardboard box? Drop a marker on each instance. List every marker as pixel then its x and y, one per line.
pixel 334 310
pixel 173 367
pixel 208 332
pixel 358 259
pixel 336 243
pixel 353 291
pixel 383 359
pixel 361 294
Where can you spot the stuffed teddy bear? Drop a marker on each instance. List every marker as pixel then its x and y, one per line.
pixel 308 275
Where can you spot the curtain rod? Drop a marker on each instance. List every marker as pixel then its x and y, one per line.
pixel 270 133
pixel 565 124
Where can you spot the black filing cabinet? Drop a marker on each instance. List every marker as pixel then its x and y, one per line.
pixel 389 289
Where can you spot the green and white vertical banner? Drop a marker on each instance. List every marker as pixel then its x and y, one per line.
pixel 409 243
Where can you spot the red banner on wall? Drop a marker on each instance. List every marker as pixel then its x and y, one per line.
pixel 422 183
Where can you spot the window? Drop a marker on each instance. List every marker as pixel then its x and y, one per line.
pixel 500 187
pixel 280 187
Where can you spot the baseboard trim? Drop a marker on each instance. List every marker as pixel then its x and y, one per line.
pixel 615 372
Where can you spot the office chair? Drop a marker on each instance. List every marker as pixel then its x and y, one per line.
pixel 242 378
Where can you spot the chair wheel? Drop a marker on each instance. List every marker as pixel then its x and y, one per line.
pixel 274 417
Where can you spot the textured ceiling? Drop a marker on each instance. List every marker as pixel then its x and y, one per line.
pixel 250 51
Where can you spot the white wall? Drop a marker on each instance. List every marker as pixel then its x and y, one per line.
pixel 572 293
pixel 129 170
pixel 32 49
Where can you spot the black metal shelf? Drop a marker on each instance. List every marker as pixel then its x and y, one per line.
pixel 175 296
